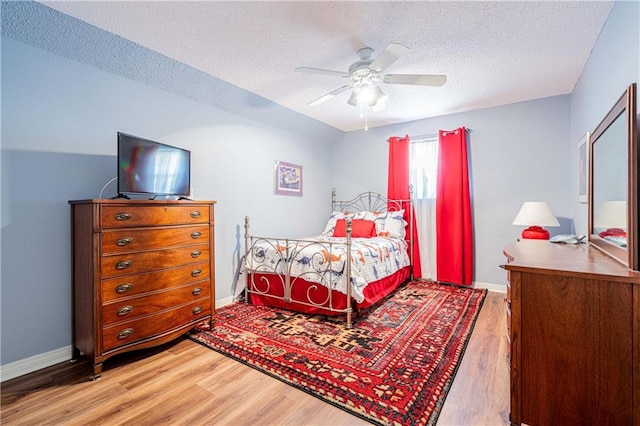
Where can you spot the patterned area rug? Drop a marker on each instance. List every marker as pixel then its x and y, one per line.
pixel 395 366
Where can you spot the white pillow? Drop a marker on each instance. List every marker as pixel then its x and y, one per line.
pixel 395 224
pixel 331 223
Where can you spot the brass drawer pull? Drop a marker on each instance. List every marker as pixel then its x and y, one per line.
pixel 124 241
pixel 125 333
pixel 124 264
pixel 196 291
pixel 196 272
pixel 197 310
pixel 196 234
pixel 125 310
pixel 123 216
pixel 123 288
pixel 196 253
pixel 195 214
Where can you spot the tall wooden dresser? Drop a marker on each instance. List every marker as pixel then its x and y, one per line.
pixel 574 329
pixel 143 273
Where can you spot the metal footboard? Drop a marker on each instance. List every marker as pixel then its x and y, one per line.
pixel 326 268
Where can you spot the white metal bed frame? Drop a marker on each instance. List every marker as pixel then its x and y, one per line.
pixel 366 201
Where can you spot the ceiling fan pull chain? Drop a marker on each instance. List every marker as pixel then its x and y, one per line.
pixel 366 116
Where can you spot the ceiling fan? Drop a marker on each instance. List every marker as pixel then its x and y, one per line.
pixel 365 74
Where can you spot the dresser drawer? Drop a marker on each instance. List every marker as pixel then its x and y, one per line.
pixel 123 310
pixel 133 263
pixel 129 240
pixel 127 216
pixel 131 285
pixel 128 332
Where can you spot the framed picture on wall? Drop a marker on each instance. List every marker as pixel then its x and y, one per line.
pixel 583 168
pixel 287 179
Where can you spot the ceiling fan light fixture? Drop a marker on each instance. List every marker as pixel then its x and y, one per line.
pixel 353 99
pixel 379 97
pixel 366 73
pixel 380 105
pixel 366 93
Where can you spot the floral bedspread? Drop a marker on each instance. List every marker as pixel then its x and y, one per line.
pixel 322 259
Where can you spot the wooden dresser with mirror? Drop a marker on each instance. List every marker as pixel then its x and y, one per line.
pixel 573 311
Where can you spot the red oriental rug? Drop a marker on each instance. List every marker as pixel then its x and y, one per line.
pixel 395 366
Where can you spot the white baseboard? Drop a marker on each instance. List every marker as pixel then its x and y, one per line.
pixel 498 288
pixel 33 363
pixel 222 302
pixel 37 362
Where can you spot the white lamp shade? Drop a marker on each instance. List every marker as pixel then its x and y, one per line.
pixel 535 213
pixel 611 214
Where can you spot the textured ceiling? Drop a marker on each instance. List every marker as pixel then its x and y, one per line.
pixel 493 53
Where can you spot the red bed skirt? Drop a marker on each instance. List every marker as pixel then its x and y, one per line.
pixel 373 293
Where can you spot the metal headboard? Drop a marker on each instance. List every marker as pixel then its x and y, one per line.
pixel 366 201
pixel 376 202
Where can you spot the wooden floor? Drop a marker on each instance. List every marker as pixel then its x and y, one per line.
pixel 186 383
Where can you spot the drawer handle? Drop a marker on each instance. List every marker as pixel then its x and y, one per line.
pixel 196 272
pixel 196 234
pixel 196 291
pixel 195 214
pixel 125 333
pixel 125 310
pixel 123 216
pixel 123 288
pixel 196 253
pixel 124 264
pixel 197 310
pixel 124 241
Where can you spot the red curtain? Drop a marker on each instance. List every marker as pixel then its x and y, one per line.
pixel 398 189
pixel 454 241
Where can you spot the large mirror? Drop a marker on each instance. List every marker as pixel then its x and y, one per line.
pixel 613 182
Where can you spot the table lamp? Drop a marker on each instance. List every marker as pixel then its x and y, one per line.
pixel 610 219
pixel 535 215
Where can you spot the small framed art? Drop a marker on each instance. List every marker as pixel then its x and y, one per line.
pixel 583 168
pixel 287 179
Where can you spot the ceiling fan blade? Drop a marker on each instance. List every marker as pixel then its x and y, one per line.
pixel 388 56
pixel 330 95
pixel 321 71
pixel 417 79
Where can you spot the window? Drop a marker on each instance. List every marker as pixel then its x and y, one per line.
pixel 423 167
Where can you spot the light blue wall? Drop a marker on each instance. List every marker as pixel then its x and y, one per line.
pixel 68 88
pixel 517 153
pixel 613 65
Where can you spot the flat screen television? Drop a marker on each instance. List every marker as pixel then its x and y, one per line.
pixel 149 167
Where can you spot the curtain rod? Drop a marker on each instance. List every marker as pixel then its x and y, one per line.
pixel 431 135
pixel 419 137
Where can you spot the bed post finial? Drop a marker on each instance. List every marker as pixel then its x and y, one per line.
pixel 246 226
pixel 333 199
